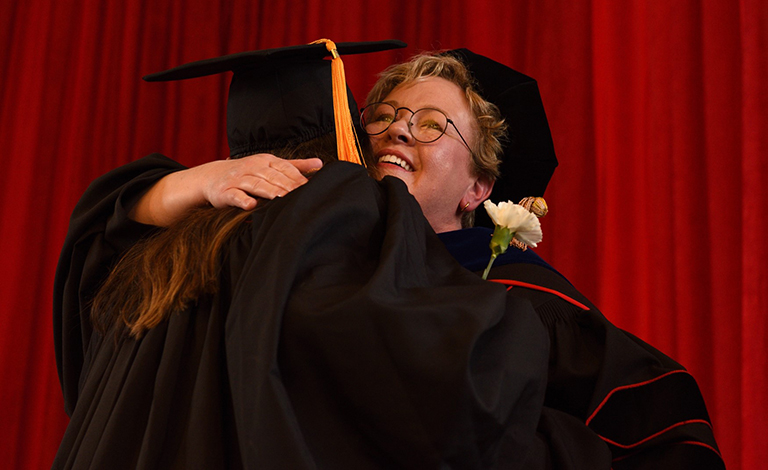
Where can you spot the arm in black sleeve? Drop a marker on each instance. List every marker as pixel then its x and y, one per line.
pixel 99 232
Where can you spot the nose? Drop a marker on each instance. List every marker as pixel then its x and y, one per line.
pixel 399 129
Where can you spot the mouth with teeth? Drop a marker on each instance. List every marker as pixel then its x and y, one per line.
pixel 395 161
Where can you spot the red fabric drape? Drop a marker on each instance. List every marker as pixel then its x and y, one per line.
pixel 658 112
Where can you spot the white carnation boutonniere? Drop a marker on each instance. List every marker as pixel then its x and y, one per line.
pixel 512 221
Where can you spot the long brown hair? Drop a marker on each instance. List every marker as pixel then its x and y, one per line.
pixel 175 266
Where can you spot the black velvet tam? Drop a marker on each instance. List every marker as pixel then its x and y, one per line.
pixel 277 96
pixel 529 157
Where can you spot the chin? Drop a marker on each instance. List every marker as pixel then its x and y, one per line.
pixel 375 172
pixel 380 171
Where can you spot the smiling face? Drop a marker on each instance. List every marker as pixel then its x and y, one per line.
pixel 438 174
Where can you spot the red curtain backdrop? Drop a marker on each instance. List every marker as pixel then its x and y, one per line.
pixel 657 109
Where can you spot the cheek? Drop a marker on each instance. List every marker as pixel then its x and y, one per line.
pixel 453 165
pixel 376 142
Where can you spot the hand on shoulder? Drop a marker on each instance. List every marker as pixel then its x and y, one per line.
pixel 221 183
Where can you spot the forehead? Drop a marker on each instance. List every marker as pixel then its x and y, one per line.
pixel 431 92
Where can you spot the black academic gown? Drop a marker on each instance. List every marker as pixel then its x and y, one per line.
pixel 161 402
pixel 343 336
pixel 645 406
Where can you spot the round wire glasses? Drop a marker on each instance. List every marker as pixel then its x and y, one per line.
pixel 425 125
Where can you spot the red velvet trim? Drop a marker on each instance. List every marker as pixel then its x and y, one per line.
pixel 642 441
pixel 575 302
pixel 695 443
pixel 624 387
pixel 640 384
pixel 706 446
pixel 512 284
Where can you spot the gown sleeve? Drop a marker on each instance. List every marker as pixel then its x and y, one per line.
pixel 645 406
pixel 99 232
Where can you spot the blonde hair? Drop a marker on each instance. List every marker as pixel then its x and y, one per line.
pixel 489 125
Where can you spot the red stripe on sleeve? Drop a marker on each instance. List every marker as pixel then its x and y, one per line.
pixel 625 387
pixel 512 284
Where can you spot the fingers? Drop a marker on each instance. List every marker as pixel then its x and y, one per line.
pixel 237 182
pixel 289 173
pixel 273 181
pixel 221 183
pixel 236 198
pixel 308 165
pixel 242 193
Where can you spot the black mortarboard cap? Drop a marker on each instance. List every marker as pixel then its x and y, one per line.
pixel 528 159
pixel 277 96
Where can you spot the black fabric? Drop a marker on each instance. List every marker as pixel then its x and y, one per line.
pixel 343 336
pixel 240 60
pixel 290 87
pixel 568 443
pixel 355 341
pixel 99 232
pixel 642 403
pixel 294 103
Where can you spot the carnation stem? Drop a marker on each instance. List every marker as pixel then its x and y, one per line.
pixel 488 268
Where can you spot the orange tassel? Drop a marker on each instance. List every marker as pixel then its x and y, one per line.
pixel 347 144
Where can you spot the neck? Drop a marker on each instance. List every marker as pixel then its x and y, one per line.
pixel 445 225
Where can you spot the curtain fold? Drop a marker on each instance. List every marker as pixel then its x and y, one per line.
pixel 658 113
pixel 754 197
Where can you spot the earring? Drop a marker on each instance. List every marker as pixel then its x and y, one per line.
pixel 464 208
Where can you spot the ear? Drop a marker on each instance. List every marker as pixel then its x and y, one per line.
pixel 478 192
